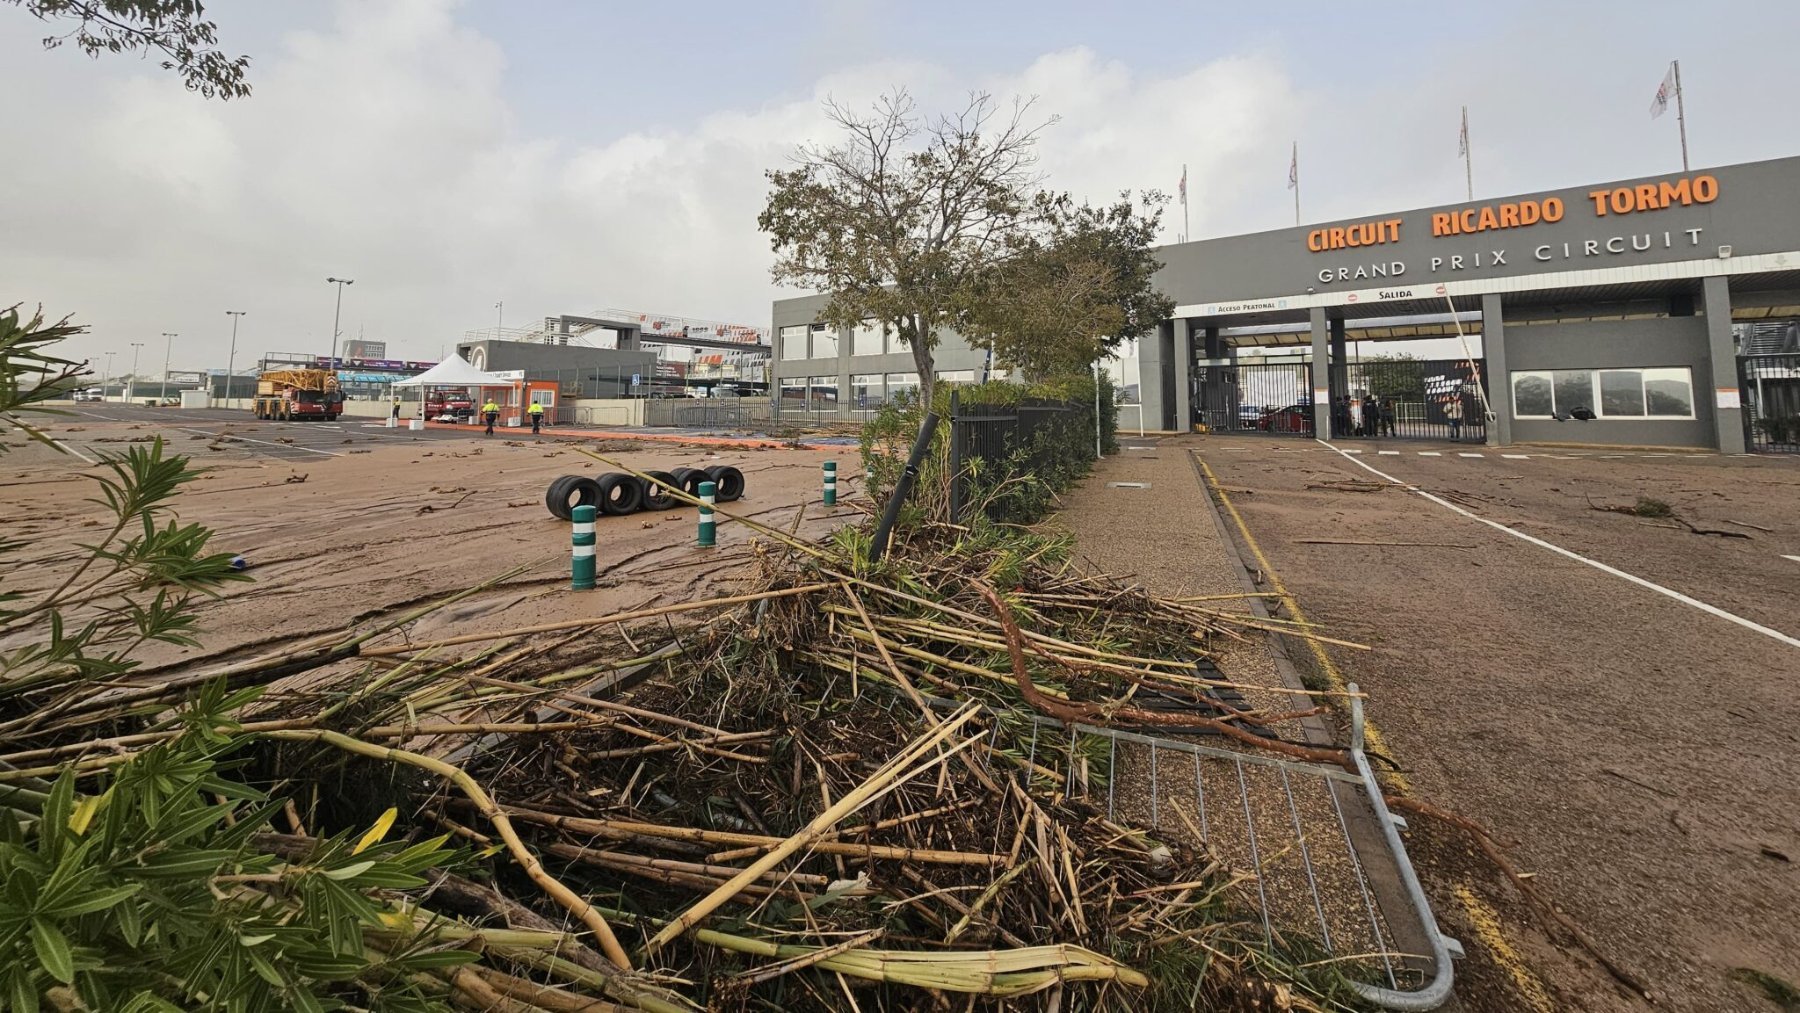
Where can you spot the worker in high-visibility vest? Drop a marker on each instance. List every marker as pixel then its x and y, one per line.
pixel 537 417
pixel 492 412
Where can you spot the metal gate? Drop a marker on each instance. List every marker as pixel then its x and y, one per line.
pixel 1256 397
pixel 1770 386
pixel 1418 399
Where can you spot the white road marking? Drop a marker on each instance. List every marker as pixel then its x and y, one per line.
pixel 1794 558
pixel 1709 609
pixel 1429 453
pixel 1517 457
pixel 1349 451
pixel 1388 453
pixel 266 443
pixel 1468 455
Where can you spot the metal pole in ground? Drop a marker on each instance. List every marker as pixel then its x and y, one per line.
pixel 582 562
pixel 830 468
pixel 707 526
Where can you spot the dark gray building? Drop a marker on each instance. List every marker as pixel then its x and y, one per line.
pixel 581 370
pixel 1603 314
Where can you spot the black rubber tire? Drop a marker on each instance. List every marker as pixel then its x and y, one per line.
pixel 620 494
pixel 656 497
pixel 568 492
pixel 689 479
pixel 728 483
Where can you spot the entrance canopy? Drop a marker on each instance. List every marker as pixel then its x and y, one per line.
pixel 455 372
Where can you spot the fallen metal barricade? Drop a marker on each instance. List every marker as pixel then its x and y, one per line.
pixel 1331 819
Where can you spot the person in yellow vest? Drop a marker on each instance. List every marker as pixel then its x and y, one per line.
pixel 537 417
pixel 491 412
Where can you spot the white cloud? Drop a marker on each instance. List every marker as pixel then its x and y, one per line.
pixel 381 147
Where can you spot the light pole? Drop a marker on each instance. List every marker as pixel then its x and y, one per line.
pixel 131 388
pixel 335 316
pixel 108 377
pixel 499 318
pixel 231 359
pixel 168 347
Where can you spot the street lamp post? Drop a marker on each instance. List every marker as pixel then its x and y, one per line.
pixel 337 315
pixel 131 388
pixel 231 359
pixel 108 377
pixel 168 347
pixel 499 319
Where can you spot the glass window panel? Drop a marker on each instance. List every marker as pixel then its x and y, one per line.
pixel 824 342
pixel 1669 392
pixel 793 392
pixel 1621 393
pixel 902 383
pixel 793 342
pixel 866 391
pixel 1531 395
pixel 866 339
pixel 824 393
pixel 956 376
pixel 1574 389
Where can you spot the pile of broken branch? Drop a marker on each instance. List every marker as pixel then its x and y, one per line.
pixel 843 786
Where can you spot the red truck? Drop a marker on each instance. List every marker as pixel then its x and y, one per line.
pixel 294 394
pixel 449 402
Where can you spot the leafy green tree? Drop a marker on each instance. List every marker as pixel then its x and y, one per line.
pixel 1070 291
pixel 901 218
pixel 178 29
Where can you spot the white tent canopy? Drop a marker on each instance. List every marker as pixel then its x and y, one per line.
pixel 455 372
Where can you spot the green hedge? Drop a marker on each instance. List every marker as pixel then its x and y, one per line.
pixel 1021 489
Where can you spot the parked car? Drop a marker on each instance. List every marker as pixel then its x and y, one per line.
pixel 1295 418
pixel 1249 415
pixel 89 394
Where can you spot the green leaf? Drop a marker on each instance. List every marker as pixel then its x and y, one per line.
pixel 53 950
pixel 351 871
pixel 131 924
pixel 22 990
pixel 99 901
pixel 433 959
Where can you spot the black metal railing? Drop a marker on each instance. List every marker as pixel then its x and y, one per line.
pixel 1769 386
pixel 991 446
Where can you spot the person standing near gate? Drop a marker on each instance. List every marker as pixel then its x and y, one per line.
pixel 537 416
pixel 1340 417
pixel 396 409
pixel 490 412
pixel 1453 413
pixel 1371 416
pixel 1387 416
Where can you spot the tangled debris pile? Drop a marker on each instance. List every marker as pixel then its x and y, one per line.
pixel 844 786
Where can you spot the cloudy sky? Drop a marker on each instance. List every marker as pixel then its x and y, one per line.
pixel 562 156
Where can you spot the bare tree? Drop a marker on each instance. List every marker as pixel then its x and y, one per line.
pixel 900 219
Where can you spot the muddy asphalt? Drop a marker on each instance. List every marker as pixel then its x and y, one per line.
pixel 345 523
pixel 1638 754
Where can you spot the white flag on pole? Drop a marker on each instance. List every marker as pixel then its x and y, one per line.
pixel 1660 104
pixel 1294 168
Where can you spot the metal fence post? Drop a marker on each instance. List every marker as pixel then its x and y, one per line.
pixel 708 527
pixel 582 562
pixel 958 433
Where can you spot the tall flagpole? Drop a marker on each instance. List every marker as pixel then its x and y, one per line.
pixel 1294 180
pixel 1184 205
pixel 1681 115
pixel 1468 155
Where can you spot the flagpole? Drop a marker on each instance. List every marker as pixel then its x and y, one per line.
pixel 1468 155
pixel 1184 206
pixel 1681 115
pixel 1296 182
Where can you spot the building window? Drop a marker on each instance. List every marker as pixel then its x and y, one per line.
pixel 824 342
pixel 902 383
pixel 866 392
pixel 866 339
pixel 793 342
pixel 956 376
pixel 1655 393
pixel 824 393
pixel 793 393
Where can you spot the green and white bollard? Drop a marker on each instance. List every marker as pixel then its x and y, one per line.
pixel 707 525
pixel 831 483
pixel 581 555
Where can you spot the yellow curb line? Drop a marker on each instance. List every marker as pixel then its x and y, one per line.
pixel 1486 922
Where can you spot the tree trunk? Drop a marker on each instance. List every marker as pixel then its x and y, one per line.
pixel 921 352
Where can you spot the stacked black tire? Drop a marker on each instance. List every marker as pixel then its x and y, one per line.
pixel 619 494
